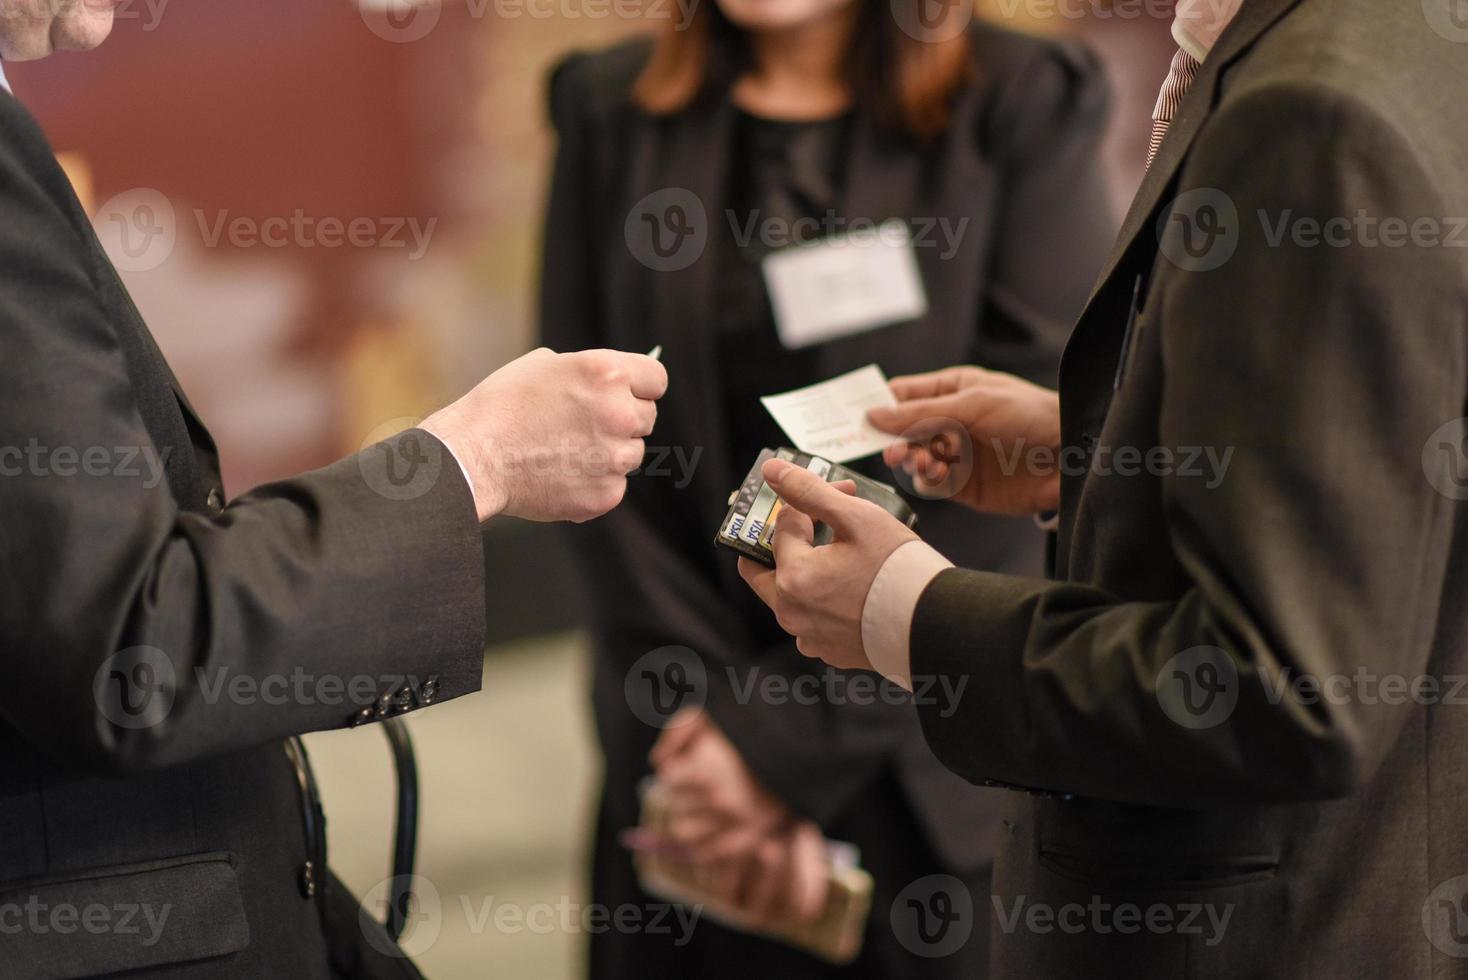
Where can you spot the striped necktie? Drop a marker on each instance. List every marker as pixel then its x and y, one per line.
pixel 1179 79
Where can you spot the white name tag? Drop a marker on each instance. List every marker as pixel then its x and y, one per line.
pixel 842 286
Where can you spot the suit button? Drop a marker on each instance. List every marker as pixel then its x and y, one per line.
pixel 215 501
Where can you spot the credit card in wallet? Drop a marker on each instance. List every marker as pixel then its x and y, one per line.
pixel 753 508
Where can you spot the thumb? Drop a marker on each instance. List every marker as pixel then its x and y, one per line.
pixel 897 419
pixel 811 495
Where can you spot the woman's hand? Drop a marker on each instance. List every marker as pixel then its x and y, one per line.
pixel 748 847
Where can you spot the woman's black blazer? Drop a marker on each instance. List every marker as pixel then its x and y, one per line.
pixel 1019 172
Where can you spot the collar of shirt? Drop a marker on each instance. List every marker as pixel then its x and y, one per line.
pixel 3 83
pixel 1199 24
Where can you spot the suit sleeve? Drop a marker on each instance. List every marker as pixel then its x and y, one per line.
pixel 138 634
pixel 1322 553
pixel 1055 221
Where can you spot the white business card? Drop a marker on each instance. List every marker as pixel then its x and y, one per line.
pixel 829 419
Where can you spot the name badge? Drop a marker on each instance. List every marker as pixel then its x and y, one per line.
pixel 842 286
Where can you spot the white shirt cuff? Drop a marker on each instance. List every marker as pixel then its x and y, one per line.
pixel 473 498
pixel 886 617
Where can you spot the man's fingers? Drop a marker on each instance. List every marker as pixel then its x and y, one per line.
pixel 898 419
pixel 930 384
pixel 811 495
pixel 681 732
pixel 794 532
pixel 808 881
pixel 647 377
pixel 647 417
pixel 759 578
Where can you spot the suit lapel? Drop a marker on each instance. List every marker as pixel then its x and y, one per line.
pixel 1088 366
pixel 1252 20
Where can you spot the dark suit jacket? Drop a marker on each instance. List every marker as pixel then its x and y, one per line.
pixel 1019 166
pixel 1153 680
pixel 128 775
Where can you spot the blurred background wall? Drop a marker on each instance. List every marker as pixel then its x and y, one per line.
pixel 328 211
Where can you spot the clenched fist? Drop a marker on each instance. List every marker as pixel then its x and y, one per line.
pixel 552 437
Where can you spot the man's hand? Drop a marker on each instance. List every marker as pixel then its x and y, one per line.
pixel 982 438
pixel 552 437
pixel 817 594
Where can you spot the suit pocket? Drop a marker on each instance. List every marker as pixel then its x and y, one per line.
pixel 1152 872
pixel 113 919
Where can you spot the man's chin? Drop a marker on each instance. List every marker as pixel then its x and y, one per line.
pixel 85 31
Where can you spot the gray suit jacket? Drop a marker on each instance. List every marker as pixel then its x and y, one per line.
pixel 1287 326
pixel 158 646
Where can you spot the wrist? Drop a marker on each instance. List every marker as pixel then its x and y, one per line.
pixel 489 496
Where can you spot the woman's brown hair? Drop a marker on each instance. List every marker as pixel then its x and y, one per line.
pixel 906 84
